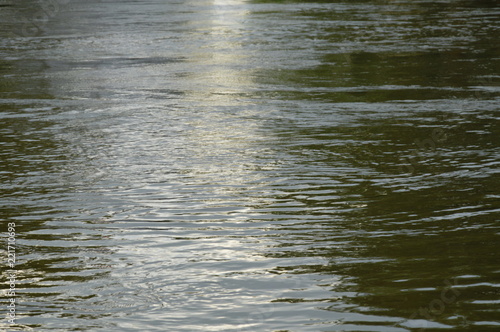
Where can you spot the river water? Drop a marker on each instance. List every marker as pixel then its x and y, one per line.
pixel 233 165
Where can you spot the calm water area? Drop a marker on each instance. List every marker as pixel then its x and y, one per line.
pixel 250 165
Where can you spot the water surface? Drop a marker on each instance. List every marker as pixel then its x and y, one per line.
pixel 252 165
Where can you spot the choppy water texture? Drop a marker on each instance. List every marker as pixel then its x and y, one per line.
pixel 252 165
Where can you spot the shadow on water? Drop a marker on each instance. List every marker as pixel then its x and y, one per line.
pixel 411 242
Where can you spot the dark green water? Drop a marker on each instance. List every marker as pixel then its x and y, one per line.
pixel 251 165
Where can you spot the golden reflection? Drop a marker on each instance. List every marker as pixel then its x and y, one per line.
pixel 225 133
pixel 221 75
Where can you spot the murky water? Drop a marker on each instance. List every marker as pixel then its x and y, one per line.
pixel 234 165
